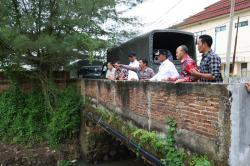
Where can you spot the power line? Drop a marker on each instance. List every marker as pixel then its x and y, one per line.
pixel 164 14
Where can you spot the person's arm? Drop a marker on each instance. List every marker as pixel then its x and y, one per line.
pixel 199 75
pixel 152 73
pixel 215 66
pixel 163 70
pixel 248 87
pixel 155 77
pixel 107 74
pixel 180 80
pixel 135 69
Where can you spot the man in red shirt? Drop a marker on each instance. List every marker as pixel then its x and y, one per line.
pixel 187 64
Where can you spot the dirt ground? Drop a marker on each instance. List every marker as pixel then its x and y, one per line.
pixel 16 155
pixel 42 155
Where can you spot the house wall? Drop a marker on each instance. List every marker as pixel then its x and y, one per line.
pixel 220 38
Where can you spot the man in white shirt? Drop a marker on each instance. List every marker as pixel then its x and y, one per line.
pixel 132 76
pixel 167 68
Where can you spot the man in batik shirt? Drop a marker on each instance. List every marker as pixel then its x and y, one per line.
pixel 120 73
pixel 187 64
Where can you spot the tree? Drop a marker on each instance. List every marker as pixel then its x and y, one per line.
pixel 48 34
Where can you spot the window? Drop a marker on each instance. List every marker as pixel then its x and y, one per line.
pixel 243 69
pixel 198 34
pixel 244 66
pixel 220 28
pixel 242 24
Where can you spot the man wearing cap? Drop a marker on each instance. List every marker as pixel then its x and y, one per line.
pixel 167 68
pixel 133 63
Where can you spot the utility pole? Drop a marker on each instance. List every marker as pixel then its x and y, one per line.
pixel 229 41
pixel 235 46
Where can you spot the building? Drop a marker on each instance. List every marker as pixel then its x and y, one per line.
pixel 214 20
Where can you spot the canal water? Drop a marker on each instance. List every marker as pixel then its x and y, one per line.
pixel 129 162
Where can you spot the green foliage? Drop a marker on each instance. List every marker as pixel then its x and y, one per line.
pixel 48 34
pixel 149 140
pixel 65 121
pixel 174 157
pixel 25 119
pixel 199 161
pixel 20 115
pixel 65 163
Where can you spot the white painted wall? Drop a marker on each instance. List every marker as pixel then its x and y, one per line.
pixel 220 38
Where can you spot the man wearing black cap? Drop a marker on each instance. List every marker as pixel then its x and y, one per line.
pixel 167 68
pixel 133 63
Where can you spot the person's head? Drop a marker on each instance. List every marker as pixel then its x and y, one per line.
pixel 161 54
pixel 132 56
pixel 181 51
pixel 116 64
pixel 204 43
pixel 143 63
pixel 110 65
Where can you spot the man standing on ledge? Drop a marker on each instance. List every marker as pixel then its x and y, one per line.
pixel 167 69
pixel 210 66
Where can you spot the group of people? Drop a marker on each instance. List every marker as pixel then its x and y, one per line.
pixel 208 71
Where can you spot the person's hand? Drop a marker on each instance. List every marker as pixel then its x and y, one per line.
pixel 172 79
pixel 248 86
pixel 169 79
pixel 179 81
pixel 165 79
pixel 110 78
pixel 194 72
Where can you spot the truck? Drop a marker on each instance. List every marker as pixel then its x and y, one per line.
pixel 145 45
pixel 93 70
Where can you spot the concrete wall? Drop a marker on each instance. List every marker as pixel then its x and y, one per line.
pixel 240 126
pixel 202 112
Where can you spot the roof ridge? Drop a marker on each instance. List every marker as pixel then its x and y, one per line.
pixel 217 9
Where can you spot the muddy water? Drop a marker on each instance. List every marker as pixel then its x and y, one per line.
pixel 129 162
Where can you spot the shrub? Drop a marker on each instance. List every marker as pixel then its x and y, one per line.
pixel 25 119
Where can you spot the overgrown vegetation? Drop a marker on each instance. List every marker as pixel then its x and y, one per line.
pixel 162 146
pixel 25 119
pixel 173 156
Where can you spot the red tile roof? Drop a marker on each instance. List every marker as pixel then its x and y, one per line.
pixel 219 8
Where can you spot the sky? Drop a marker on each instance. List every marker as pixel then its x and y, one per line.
pixel 160 14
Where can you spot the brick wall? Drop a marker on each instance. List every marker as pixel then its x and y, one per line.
pixel 61 79
pixel 202 111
